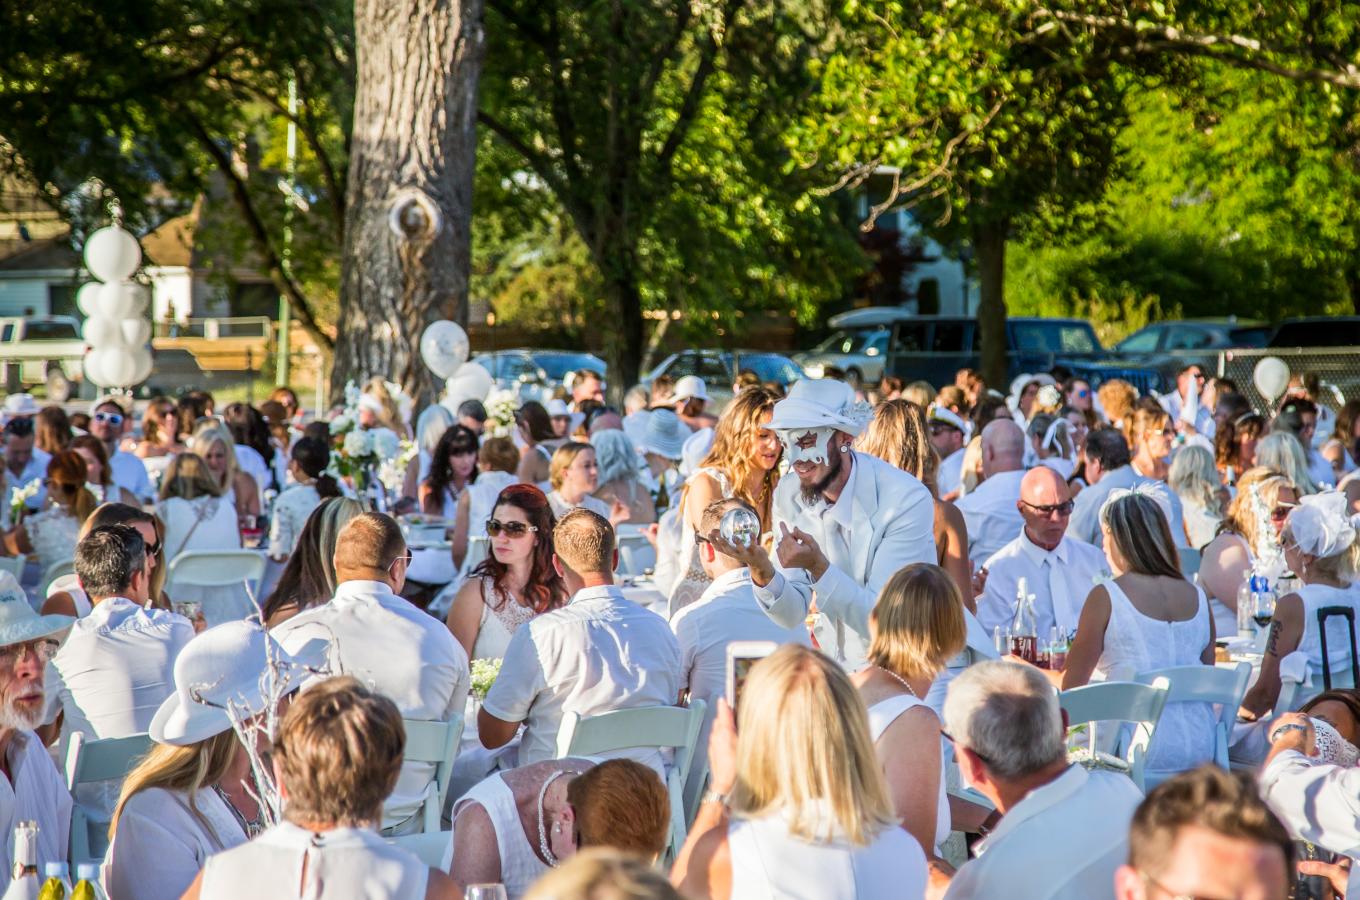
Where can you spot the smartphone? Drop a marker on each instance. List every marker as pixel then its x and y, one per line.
pixel 741 655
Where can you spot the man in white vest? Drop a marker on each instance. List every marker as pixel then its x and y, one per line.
pixel 844 522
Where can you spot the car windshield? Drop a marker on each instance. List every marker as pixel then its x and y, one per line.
pixel 50 331
pixel 1250 337
pixel 771 367
pixel 557 365
pixel 852 340
pixel 1054 337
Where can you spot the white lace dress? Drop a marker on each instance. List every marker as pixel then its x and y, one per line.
pixel 1136 643
pixel 502 616
pixel 693 582
pixel 53 534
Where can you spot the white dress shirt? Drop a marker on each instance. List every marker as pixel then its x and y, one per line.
pixel 599 653
pixel 991 514
pixel 398 650
pixel 161 845
pixel 1060 580
pixel 1064 841
pixel 1318 802
pixel 727 611
pixel 110 676
pixel 129 473
pixel 1085 522
pixel 949 476
pixel 34 792
pixel 882 520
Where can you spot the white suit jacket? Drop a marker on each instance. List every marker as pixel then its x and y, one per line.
pixel 894 516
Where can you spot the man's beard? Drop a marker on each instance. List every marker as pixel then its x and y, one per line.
pixel 14 718
pixel 814 493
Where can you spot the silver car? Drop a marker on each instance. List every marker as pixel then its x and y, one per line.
pixel 858 347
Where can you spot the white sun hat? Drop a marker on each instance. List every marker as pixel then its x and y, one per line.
pixel 225 666
pixel 690 387
pixel 820 403
pixel 19 405
pixel 665 435
pixel 18 622
pixel 557 409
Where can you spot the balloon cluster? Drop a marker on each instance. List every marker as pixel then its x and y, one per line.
pixel 116 329
pixel 444 348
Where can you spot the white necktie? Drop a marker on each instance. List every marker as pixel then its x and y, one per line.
pixel 1057 595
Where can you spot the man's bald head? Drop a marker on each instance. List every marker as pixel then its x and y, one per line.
pixel 1003 447
pixel 1045 505
pixel 1043 486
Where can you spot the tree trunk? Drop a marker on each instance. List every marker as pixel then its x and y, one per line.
pixel 624 336
pixel 412 149
pixel 1352 277
pixel 989 249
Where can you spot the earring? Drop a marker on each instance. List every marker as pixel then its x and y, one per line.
pixel 845 448
pixel 557 829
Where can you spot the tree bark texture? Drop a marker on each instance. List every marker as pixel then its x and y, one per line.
pixel 989 248
pixel 414 134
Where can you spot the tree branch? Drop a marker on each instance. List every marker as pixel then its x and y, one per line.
pixel 537 161
pixel 689 106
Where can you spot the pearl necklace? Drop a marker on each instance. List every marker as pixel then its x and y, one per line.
pixel 543 847
pixel 900 680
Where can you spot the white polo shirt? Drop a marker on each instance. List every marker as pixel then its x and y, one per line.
pixel 129 473
pixel 599 653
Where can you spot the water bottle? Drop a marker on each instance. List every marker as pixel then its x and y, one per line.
pixel 1245 604
pixel 58 883
pixel 87 883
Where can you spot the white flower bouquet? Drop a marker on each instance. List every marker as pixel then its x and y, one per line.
pixel 484 673
pixel 501 407
pixel 19 497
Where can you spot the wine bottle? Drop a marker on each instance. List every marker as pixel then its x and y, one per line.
pixel 88 888
pixel 1024 628
pixel 58 883
pixel 25 884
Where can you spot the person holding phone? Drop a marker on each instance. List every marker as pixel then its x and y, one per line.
pixel 845 521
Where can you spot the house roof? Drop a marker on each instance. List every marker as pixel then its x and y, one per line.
pixel 48 253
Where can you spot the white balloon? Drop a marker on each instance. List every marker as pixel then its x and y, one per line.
pixel 87 298
pixel 118 367
pixel 112 254
pixel 101 331
pixel 91 367
pixel 135 332
pixel 444 347
pixel 472 382
pixel 1271 376
pixel 144 364
pixel 116 301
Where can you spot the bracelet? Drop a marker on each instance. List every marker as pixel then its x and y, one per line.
pixel 1287 726
pixel 712 796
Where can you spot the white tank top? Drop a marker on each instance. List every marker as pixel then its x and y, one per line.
pixel 1316 597
pixel 71 585
pixel 520 865
pixel 342 864
pixel 770 864
pixel 884 713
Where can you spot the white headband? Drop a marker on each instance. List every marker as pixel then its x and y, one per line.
pixel 1152 490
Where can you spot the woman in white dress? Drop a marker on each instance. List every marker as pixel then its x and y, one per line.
pixel 574 476
pixel 311 485
pixel 215 446
pixel 916 626
pixel 1195 480
pixel 51 533
pixel 568 805
pixel 497 460
pixel 1147 617
pixel 538 439
pixel 797 803
pixel 515 582
pixel 743 463
pixel 197 517
pixel 1229 558
pixel 1320 548
pixel 453 468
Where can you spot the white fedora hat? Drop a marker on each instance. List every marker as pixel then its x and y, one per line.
pixel 225 666
pixel 665 434
pixel 820 403
pixel 18 622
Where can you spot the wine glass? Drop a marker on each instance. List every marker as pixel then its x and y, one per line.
pixel 485 892
pixel 1262 607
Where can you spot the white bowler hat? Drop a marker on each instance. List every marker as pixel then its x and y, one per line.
pixel 225 666
pixel 690 387
pixel 820 403
pixel 18 405
pixel 18 622
pixel 665 434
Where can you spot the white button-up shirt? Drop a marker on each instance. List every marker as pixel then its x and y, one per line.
pixel 949 476
pixel 34 792
pixel 129 473
pixel 401 651
pixel 599 653
pixel 726 612
pixel 1064 841
pixel 1318 802
pixel 1060 580
pixel 1085 522
pixel 991 514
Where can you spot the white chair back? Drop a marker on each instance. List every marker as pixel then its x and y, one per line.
pixel 97 761
pixel 217 569
pixel 51 574
pixel 430 847
pixel 1224 688
pixel 636 553
pixel 1120 701
pixel 434 742
pixel 673 727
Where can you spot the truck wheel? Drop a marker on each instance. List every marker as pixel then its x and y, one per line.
pixel 58 386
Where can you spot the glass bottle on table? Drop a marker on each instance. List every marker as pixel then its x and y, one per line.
pixel 25 883
pixel 1024 628
pixel 1245 605
pixel 1262 604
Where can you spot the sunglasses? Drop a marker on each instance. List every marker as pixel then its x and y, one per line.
pixel 111 418
pixel 153 549
pixel 1280 513
pixel 1083 393
pixel 1048 509
pixel 949 737
pixel 511 529
pixel 938 428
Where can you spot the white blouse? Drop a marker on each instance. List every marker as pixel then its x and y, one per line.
pixel 291 511
pixel 161 845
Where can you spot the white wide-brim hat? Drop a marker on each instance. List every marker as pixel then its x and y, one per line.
pixel 18 622
pixel 18 405
pixel 694 450
pixel 225 666
pixel 690 387
pixel 665 435
pixel 820 403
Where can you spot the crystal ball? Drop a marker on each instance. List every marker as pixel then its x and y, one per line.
pixel 740 527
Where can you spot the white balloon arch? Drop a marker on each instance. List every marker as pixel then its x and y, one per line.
pixel 116 328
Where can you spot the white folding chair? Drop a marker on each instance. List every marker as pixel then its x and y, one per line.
pixel 636 553
pixel 479 545
pixel 1190 560
pixel 674 727
pixel 1120 701
pixel 14 565
pixel 430 847
pixel 433 742
pixel 1224 688
pixel 217 569
pixel 97 761
pixel 51 574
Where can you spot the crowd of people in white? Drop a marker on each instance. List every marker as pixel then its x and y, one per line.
pixel 937 568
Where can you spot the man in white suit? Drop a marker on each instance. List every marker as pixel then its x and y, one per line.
pixel 844 521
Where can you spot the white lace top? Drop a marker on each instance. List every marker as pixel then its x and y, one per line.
pixel 291 509
pixel 693 582
pixel 502 615
pixel 53 534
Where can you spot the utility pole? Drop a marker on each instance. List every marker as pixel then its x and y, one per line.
pixel 286 308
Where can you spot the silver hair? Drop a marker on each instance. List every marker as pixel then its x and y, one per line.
pixel 615 455
pixel 635 399
pixel 430 427
pixel 1282 452
pixel 1008 715
pixel 1195 479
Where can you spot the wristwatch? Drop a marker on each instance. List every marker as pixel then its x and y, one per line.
pixel 1287 726
pixel 712 796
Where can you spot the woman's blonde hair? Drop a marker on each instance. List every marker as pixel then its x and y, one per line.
pixel 601 873
pixel 114 513
pixel 201 443
pixel 917 622
pixel 969 473
pixel 1241 517
pixel 188 477
pixel 1116 398
pixel 733 440
pixel 1282 452
pixel 804 750
pixel 391 416
pixel 922 393
pixel 1340 568
pixel 187 769
pixel 898 435
pixel 562 459
pixel 1194 477
pixel 1144 421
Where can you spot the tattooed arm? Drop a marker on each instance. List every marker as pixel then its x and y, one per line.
pixel 1286 630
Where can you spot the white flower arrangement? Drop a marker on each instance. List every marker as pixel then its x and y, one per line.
pixel 484 674
pixel 19 497
pixel 501 407
pixel 1049 397
pixel 358 443
pixel 342 424
pixel 1268 551
pixel 392 469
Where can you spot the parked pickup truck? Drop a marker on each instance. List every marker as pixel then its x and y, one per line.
pixel 44 350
